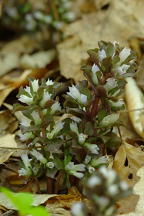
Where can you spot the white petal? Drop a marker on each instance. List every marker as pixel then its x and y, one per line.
pixel 35 85
pixel 49 82
pixel 102 54
pixel 25 99
pixel 95 68
pixel 124 54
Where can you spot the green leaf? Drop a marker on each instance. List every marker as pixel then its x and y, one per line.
pixel 109 120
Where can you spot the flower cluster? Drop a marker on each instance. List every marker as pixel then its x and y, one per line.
pixel 20 15
pixel 73 132
pixel 102 189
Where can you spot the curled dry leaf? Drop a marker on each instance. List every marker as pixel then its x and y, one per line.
pixel 135 105
pixel 127 161
pixel 7 141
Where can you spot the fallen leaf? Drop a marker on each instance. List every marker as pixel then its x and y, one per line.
pixel 135 105
pixel 104 25
pixel 38 60
pixel 127 161
pixel 138 190
pixel 7 141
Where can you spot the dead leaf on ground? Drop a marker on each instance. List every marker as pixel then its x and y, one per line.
pixel 103 25
pixel 135 105
pixel 138 190
pixel 7 141
pixel 127 161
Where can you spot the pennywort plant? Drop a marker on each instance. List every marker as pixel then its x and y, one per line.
pixel 71 134
pixel 102 189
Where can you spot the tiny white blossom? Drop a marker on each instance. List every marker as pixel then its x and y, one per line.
pixel 49 82
pixel 95 68
pixel 102 54
pixel 35 85
pixel 76 119
pixel 26 99
pixel 27 89
pixel 77 209
pixel 113 189
pixel 36 117
pixel 57 128
pixel 82 137
pixel 55 107
pixel 74 127
pixel 117 104
pixel 93 181
pixel 50 165
pixel 91 169
pixel 24 172
pixel 26 136
pixel 110 175
pixel 93 148
pixel 103 201
pixel 38 156
pixel 101 160
pixel 24 121
pixel 123 185
pixel 110 83
pixel 75 169
pixel 46 97
pixel 122 69
pixel 26 160
pixel 124 54
pixel 75 94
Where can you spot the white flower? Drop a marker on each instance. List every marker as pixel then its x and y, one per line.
pixel 113 189
pixel 124 54
pixel 76 119
pixel 110 83
pixel 36 117
pixel 24 121
pixel 91 169
pixel 26 136
pixel 122 69
pixel 26 160
pixel 57 128
pixel 38 156
pixel 95 69
pixel 82 137
pixel 35 85
pixel 46 97
pixel 93 148
pixel 75 169
pixel 27 89
pixel 103 201
pixel 77 209
pixel 75 94
pixel 117 104
pixel 49 82
pixel 93 181
pixel 109 174
pixel 50 165
pixel 24 172
pixel 74 127
pixel 55 107
pixel 26 99
pixel 123 185
pixel 102 54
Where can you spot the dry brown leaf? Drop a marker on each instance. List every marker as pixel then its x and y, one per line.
pixel 118 23
pixel 10 53
pixel 59 203
pixel 7 141
pixel 138 190
pixel 38 60
pixel 135 105
pixel 8 122
pixel 127 161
